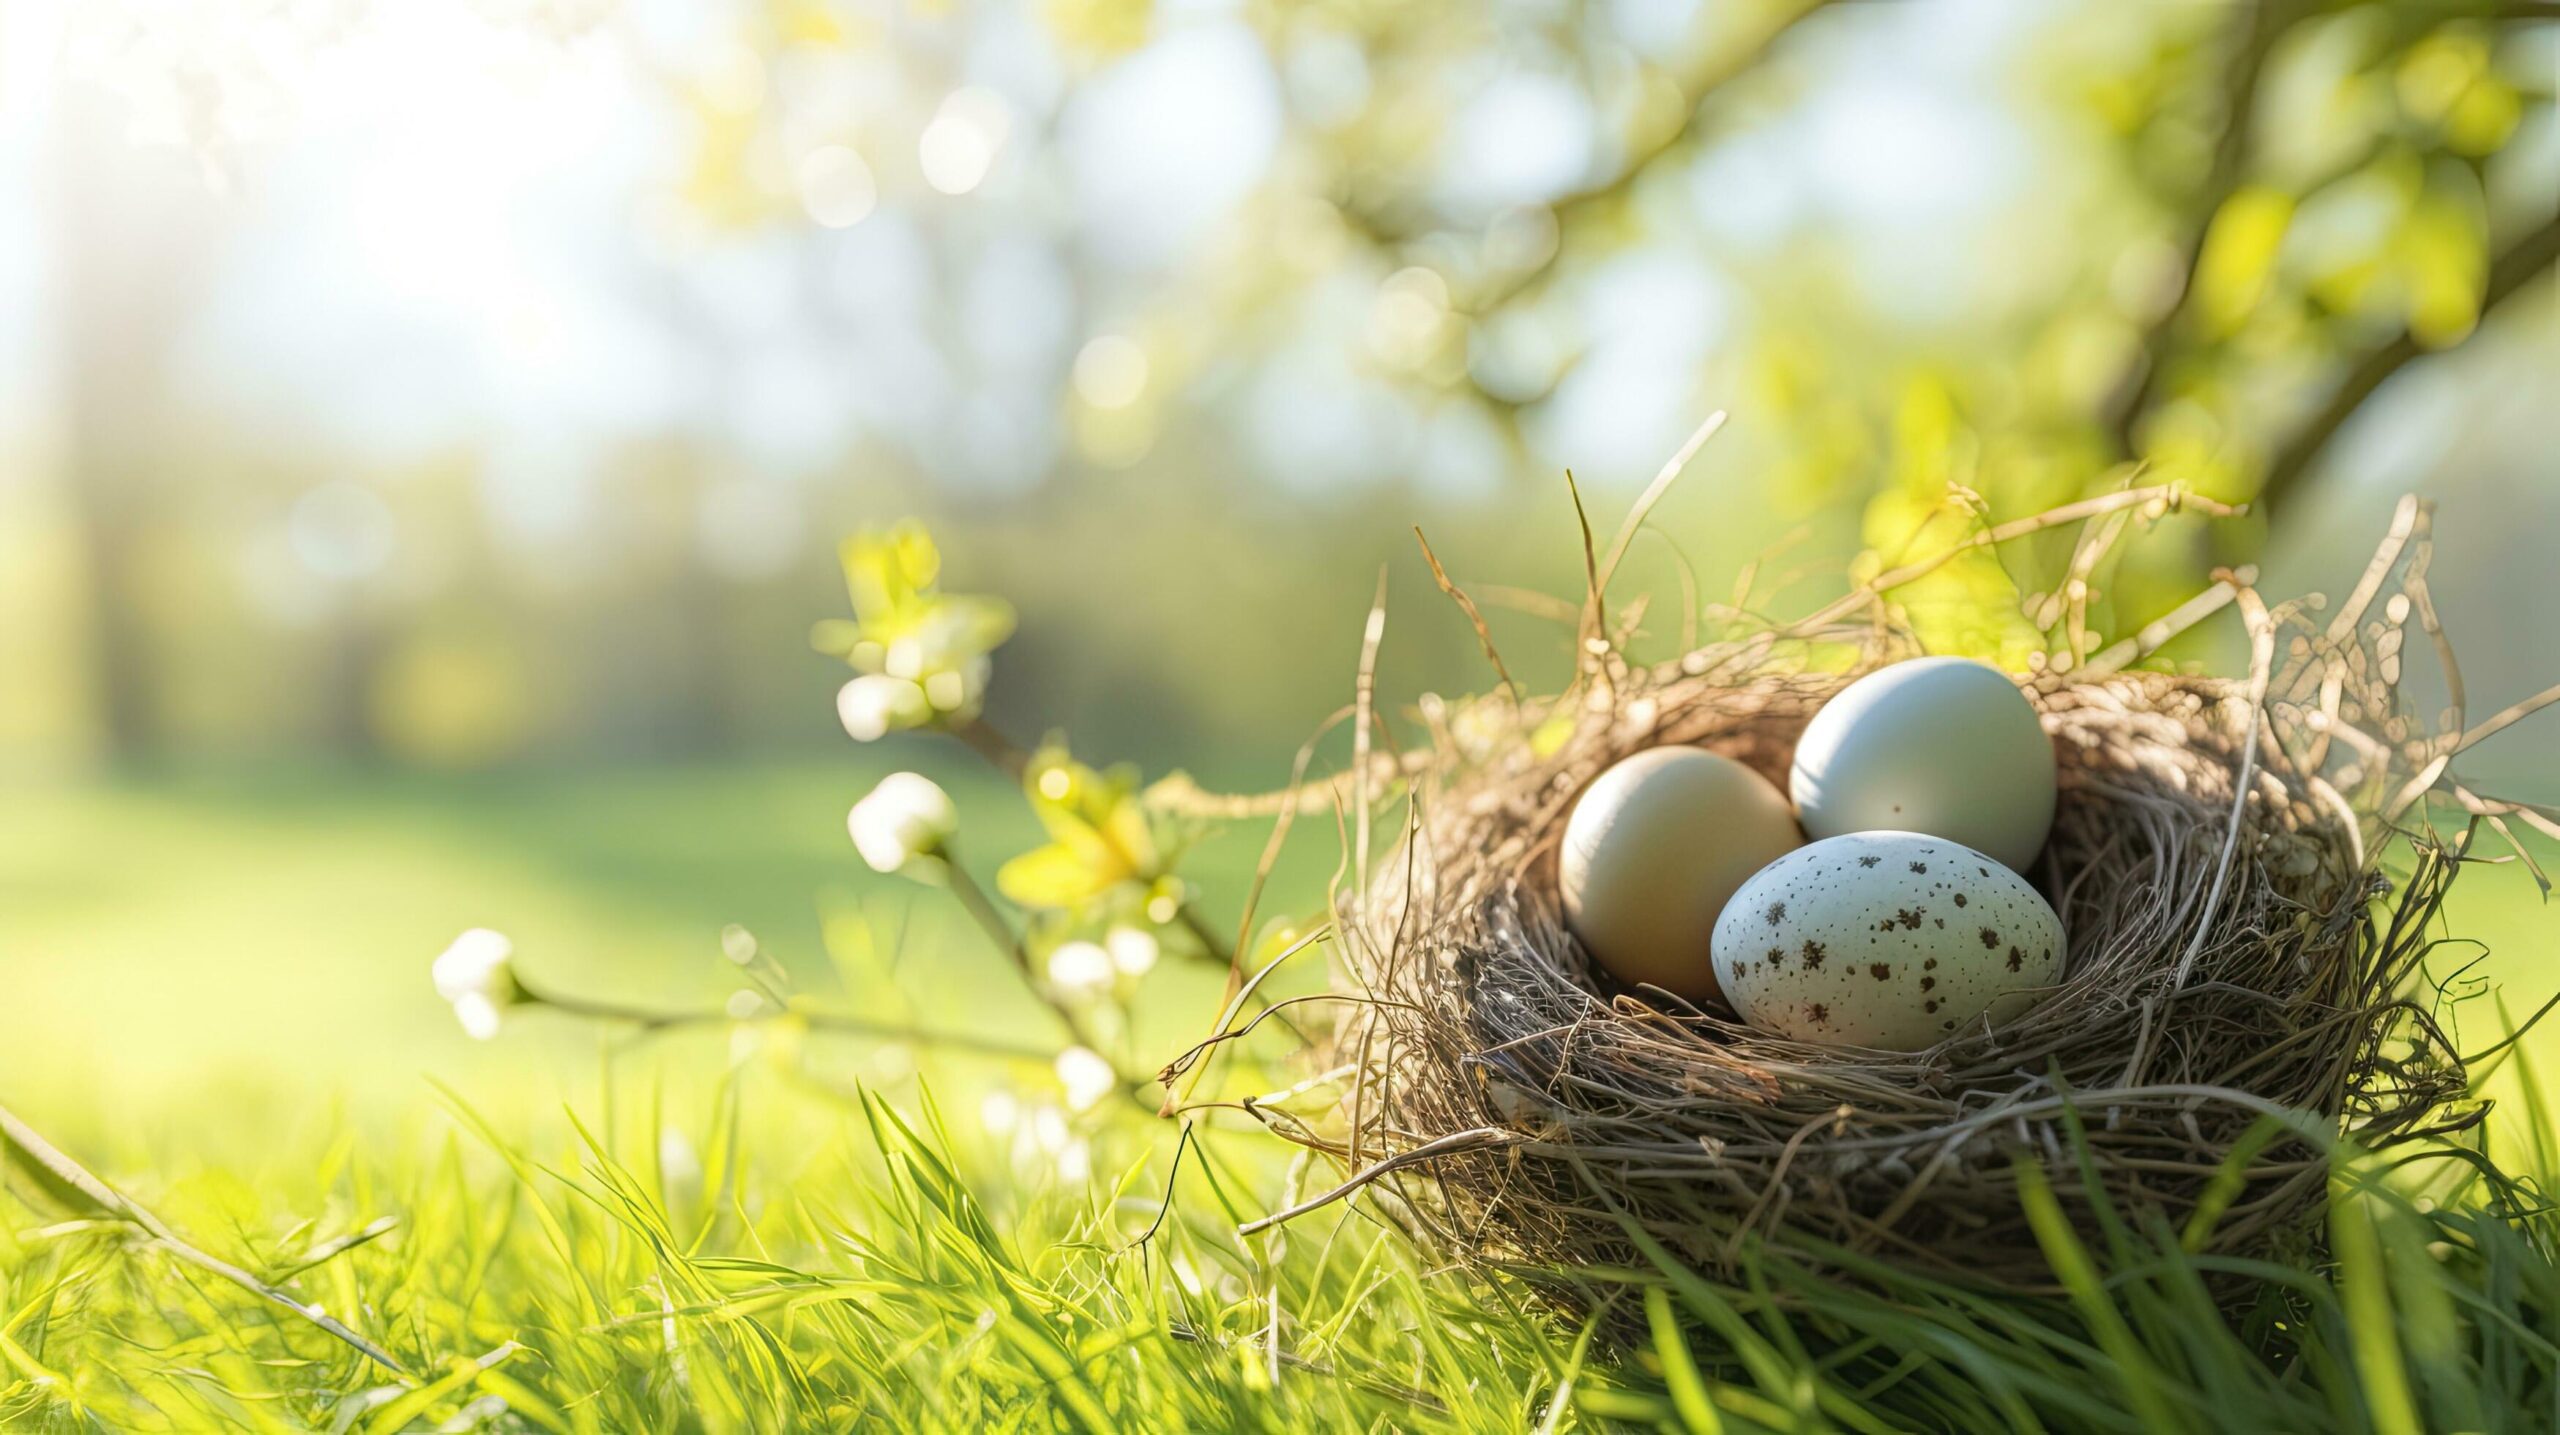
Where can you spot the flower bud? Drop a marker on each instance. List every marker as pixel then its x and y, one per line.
pixel 1087 1076
pixel 905 817
pixel 875 705
pixel 477 975
pixel 1080 969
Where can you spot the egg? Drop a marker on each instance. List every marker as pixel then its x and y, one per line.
pixel 1945 746
pixel 1891 940
pixel 1654 847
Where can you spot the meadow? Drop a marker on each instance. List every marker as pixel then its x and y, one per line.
pixel 426 433
pixel 578 1227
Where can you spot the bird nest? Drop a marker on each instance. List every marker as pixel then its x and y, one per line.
pixel 2242 994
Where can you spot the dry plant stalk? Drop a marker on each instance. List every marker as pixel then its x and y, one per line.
pixel 2242 991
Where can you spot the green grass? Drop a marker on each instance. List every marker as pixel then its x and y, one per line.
pixel 843 1264
pixel 223 1009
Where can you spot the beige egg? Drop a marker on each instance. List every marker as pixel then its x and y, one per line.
pixel 1652 851
pixel 1890 940
pixel 1945 746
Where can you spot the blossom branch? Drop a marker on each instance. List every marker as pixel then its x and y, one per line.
pixel 660 1019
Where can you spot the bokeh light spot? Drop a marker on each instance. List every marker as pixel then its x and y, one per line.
pixel 836 187
pixel 1111 372
pixel 959 146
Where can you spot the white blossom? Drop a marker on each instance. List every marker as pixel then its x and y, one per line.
pixel 1048 1128
pixel 679 1164
pixel 1087 1076
pixel 1045 1139
pixel 1080 969
pixel 999 1112
pixel 905 817
pixel 1133 950
pixel 477 975
pixel 875 705
pixel 1075 1162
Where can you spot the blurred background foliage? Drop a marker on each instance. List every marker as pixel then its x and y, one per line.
pixel 427 431
pixel 471 386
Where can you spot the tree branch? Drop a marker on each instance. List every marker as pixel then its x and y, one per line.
pixel 1698 81
pixel 2257 27
pixel 1705 77
pixel 2529 256
pixel 652 1019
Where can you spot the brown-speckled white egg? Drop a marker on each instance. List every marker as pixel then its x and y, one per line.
pixel 1890 940
pixel 1654 847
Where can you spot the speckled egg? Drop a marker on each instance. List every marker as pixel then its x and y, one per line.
pixel 1890 940
pixel 1651 851
pixel 1945 746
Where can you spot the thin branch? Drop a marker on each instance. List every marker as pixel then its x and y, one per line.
pixel 1395 223
pixel 2262 661
pixel 1178 793
pixel 1193 1062
pixel 2510 272
pixel 1001 752
pixel 2508 717
pixel 1467 605
pixel 982 910
pixel 2256 28
pixel 1706 76
pixel 658 1019
pixel 2171 496
pixel 1653 492
pixel 2154 635
pixel 1595 611
pixel 1364 697
pixel 1479 1138
pixel 1530 601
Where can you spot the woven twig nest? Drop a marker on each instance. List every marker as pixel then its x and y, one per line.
pixel 2236 997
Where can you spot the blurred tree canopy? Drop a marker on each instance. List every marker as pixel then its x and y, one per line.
pixel 1173 319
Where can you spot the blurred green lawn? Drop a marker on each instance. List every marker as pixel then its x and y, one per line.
pixel 265 936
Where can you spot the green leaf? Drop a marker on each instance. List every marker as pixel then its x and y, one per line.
pixel 1550 736
pixel 1055 876
pixel 2239 257
pixel 2443 246
pixel 835 637
pixel 1099 830
pixel 2229 1179
pixel 970 622
pixel 1679 1372
pixel 2364 1290
pixel 2136 1375
pixel 885 572
pixel 63 1181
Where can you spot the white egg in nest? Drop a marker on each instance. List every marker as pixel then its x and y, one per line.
pixel 1889 940
pixel 1945 746
pixel 1652 850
